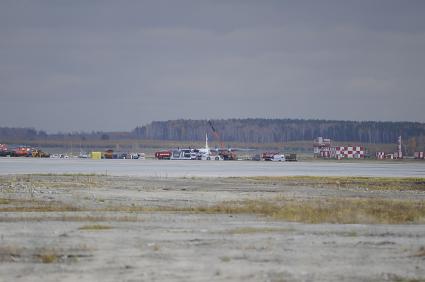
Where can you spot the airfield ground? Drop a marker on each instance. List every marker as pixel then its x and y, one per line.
pixel 76 227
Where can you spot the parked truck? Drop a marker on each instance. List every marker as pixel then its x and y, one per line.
pixel 163 155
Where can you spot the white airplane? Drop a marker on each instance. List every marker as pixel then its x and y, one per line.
pixel 205 153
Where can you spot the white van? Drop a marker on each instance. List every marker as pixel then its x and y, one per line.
pixel 278 158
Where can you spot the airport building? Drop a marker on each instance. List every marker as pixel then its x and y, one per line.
pixel 322 148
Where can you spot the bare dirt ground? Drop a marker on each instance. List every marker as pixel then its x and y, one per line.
pixel 98 228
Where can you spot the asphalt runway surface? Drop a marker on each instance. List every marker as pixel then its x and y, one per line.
pixel 167 168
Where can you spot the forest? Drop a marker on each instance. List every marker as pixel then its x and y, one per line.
pixel 259 131
pixel 281 130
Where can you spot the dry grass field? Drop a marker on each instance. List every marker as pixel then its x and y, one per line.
pixel 90 227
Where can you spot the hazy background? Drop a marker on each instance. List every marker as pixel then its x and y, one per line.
pixel 112 65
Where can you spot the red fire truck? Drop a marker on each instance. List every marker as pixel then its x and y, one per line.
pixel 163 155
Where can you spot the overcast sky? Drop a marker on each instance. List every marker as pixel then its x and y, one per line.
pixel 113 65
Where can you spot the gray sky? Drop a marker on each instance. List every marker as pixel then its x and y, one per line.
pixel 113 65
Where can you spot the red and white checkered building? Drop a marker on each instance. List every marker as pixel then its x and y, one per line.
pixel 348 152
pixel 396 155
pixel 419 155
pixel 380 155
pixel 322 148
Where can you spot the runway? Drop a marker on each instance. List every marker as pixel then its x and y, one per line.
pixel 166 168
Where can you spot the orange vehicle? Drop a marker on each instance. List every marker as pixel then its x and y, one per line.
pixel 109 154
pixel 227 155
pixel 37 153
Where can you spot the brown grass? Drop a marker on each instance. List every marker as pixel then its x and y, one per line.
pixel 343 211
pixel 95 227
pixel 420 252
pixel 225 259
pixel 20 205
pixel 253 230
pixel 402 279
pixel 72 218
pixel 9 253
pixel 48 256
pixel 53 181
pixel 13 253
pixel 372 183
pixel 4 201
pixel 331 210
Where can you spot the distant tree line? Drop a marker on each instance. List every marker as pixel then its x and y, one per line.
pixel 281 130
pixel 21 133
pixel 261 131
pixel 17 134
